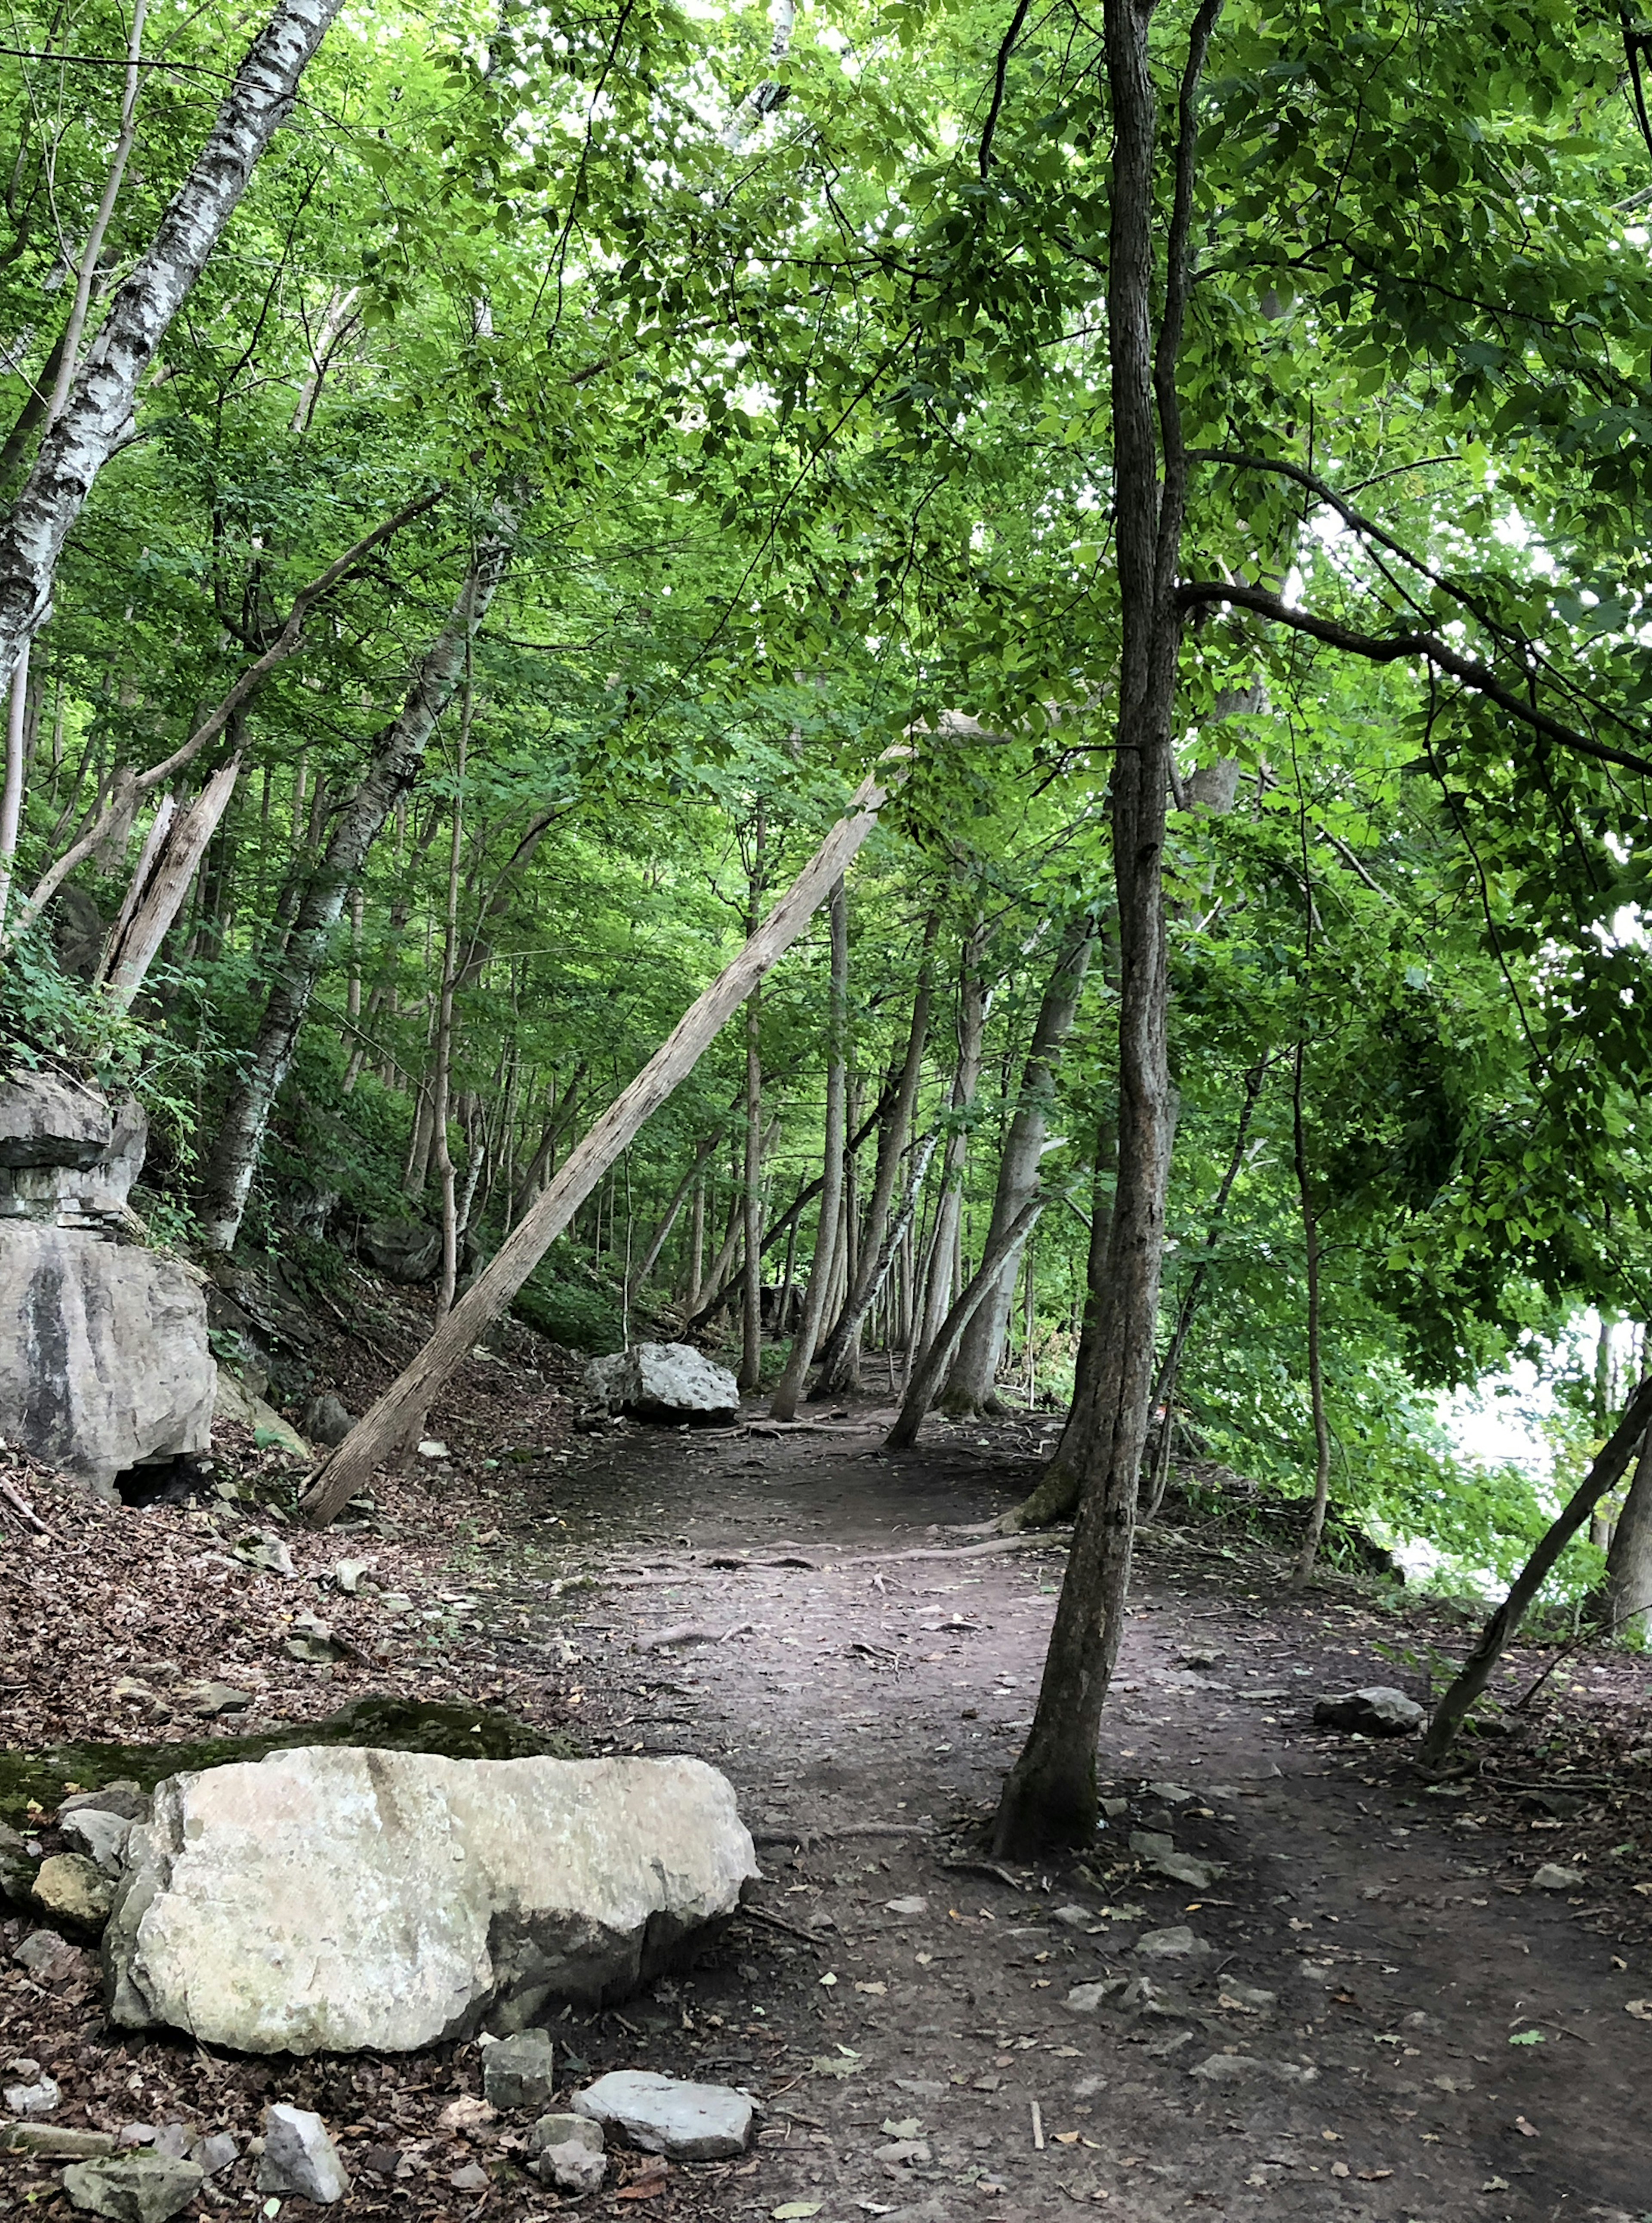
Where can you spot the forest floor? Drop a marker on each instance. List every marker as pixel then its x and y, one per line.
pixel 810 1614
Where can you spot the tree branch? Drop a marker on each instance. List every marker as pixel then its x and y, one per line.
pixel 998 77
pixel 1395 648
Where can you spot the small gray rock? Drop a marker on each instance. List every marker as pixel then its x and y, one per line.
pixel 299 2156
pixel 138 2189
pixel 54 2140
pixel 123 1798
pixel 177 2139
pixel 16 1868
pixel 1073 1917
pixel 1232 2069
pixel 903 2150
pixel 1377 1711
pixel 470 2176
pixel 684 2122
pixel 570 2153
pixel 1179 1943
pixel 1172 1794
pixel 101 1836
pixel 1088 1998
pixel 209 1699
pixel 1251 1997
pixel 48 1957
pixel 1552 1877
pixel 215 2154
pixel 265 1548
pixel 326 1419
pixel 520 2071
pixel 1157 1851
pixel 907 1908
pixel 44 2097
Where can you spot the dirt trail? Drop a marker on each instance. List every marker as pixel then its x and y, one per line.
pixel 914 2059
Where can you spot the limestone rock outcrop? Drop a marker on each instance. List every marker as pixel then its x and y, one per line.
pixel 340 1899
pixel 669 1381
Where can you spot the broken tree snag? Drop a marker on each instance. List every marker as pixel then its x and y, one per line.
pixel 1475 1672
pixel 382 1428
pixel 928 1377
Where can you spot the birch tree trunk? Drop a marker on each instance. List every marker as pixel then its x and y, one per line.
pixel 751 1356
pixel 783 1404
pixel 395 764
pixel 944 1243
pixel 1050 1798
pixel 370 1441
pixel 100 401
pixel 971 1384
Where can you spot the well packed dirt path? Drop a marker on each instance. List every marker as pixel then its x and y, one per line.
pixel 1443 2041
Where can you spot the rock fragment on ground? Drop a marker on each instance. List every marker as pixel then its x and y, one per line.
pixel 520 2071
pixel 48 1958
pixel 43 2097
pixel 135 2189
pixel 299 2156
pixel 326 1419
pixel 1230 2070
pixel 569 2151
pixel 54 2141
pixel 684 2122
pixel 1178 1943
pixel 73 1887
pixel 1377 1711
pixel 1552 1877
pixel 1157 1851
pixel 340 1899
pixel 101 1836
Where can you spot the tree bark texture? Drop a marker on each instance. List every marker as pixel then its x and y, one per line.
pixel 394 767
pixel 1627 1595
pixel 100 402
pixel 971 1385
pixel 1050 1798
pixel 375 1434
pixel 948 1212
pixel 920 1391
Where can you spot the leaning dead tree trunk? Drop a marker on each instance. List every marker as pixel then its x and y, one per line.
pixel 971 1384
pixel 395 764
pixel 1500 1630
pixel 100 406
pixel 789 1388
pixel 1050 1798
pixel 377 1433
pixel 159 885
pixel 920 1393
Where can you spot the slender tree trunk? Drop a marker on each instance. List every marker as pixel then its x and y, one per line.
pixel 1316 1527
pixel 837 1368
pixel 696 1234
pixel 395 762
pixel 556 1125
pixel 657 1241
pixel 1504 1625
pixel 443 1086
pixel 358 1457
pixel 751 1356
pixel 100 402
pixel 789 1388
pixel 1626 1599
pixel 971 1385
pixel 1050 1798
pixel 943 1242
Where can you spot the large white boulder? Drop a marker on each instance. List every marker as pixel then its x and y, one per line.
pixel 104 1358
pixel 336 1898
pixel 662 1381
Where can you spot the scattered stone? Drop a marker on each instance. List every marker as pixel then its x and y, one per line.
pixel 1171 1793
pixel 1199 1658
pixel 216 2154
pixel 465 2114
pixel 1087 1998
pixel 267 1548
pixel 920 2087
pixel 669 1381
pixel 434 1448
pixel 44 2097
pixel 74 1889
pixel 903 2150
pixel 16 1868
pixel 1552 1877
pixel 123 1796
pixel 48 1958
pixel 312 1640
pixel 570 2153
pixel 176 2139
pixel 470 2176
pixel 1248 1996
pixel 1179 1943
pixel 337 1899
pixel 54 2141
pixel 47 1120
pixel 906 1906
pixel 347 1576
pixel 137 2134
pixel 299 2156
pixel 138 2189
pixel 1378 1710
pixel 326 1419
pixel 232 1400
pixel 1231 2069
pixel 1158 1851
pixel 209 1699
pixel 684 2122
pixel 520 2071
pixel 1073 1917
